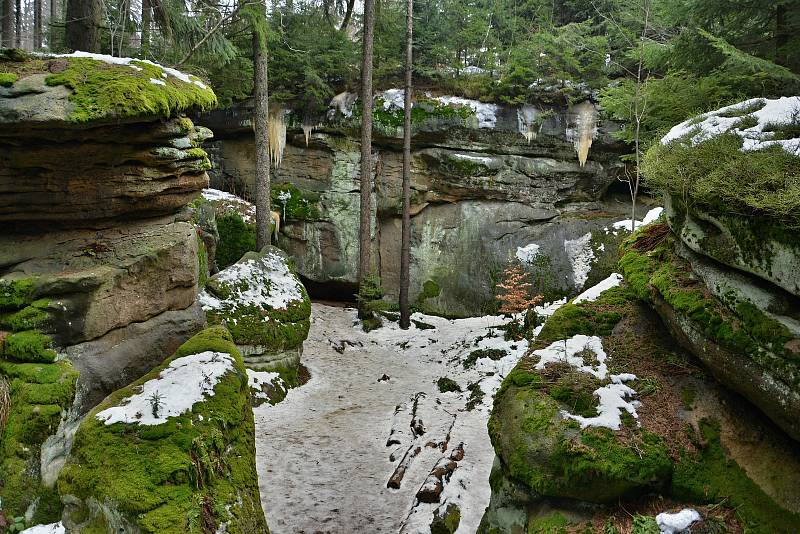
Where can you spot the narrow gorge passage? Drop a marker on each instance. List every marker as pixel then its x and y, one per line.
pixel 322 455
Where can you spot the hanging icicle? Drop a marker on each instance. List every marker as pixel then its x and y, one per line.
pixel 582 128
pixel 307 129
pixel 528 122
pixel 277 135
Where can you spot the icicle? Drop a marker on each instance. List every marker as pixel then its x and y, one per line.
pixel 527 122
pixel 307 129
pixel 582 129
pixel 277 136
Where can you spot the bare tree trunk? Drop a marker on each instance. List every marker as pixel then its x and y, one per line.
pixel 37 24
pixel 18 25
pixel 782 36
pixel 347 15
pixel 7 25
pixel 405 244
pixel 261 119
pixel 83 21
pixel 364 264
pixel 146 21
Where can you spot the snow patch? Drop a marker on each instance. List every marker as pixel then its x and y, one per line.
pixel 572 351
pixel 184 382
pixel 677 522
pixel 256 379
pixel 483 160
pixel 780 111
pixel 528 253
pixel 649 217
pixel 612 400
pixel 244 208
pixel 52 528
pixel 486 113
pixel 157 82
pixel 112 60
pixel 393 99
pixel 581 256
pixel 593 292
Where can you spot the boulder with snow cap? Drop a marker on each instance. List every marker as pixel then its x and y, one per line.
pixel 172 452
pixel 265 306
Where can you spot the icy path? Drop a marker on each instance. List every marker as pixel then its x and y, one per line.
pixel 322 455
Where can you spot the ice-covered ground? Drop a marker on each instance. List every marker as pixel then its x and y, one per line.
pixel 322 453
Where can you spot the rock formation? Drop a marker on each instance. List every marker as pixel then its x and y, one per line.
pixel 99 260
pixel 482 187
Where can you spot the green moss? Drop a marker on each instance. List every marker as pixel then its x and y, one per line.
pixel 552 523
pixel 202 264
pixel 424 109
pixel 710 477
pixel 430 290
pixel 740 326
pixel 15 294
pixel 40 394
pixel 29 346
pixel 446 385
pixel 301 204
pixel 34 316
pixel 163 478
pixel 475 355
pixel 7 79
pixel 104 91
pixel 236 238
pixel 718 177
pixel 448 522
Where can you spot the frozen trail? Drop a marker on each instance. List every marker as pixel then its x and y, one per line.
pixel 321 454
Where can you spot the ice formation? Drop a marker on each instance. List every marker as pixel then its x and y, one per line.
pixel 277 136
pixel 528 253
pixel 581 256
pixel 677 522
pixel 582 129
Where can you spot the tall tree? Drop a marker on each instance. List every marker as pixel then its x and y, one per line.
pixel 84 18
pixel 364 263
pixel 261 119
pixel 18 25
pixel 146 22
pixel 7 25
pixel 405 246
pixel 37 24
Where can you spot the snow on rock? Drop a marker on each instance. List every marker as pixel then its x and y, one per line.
pixel 649 217
pixel 677 522
pixel 486 113
pixel 360 423
pixel 184 382
pixel 483 160
pixel 581 256
pixel 572 351
pixel 233 203
pixel 265 282
pixel 112 60
pixel 258 379
pixel 593 292
pixel 528 253
pixel 767 112
pixel 52 528
pixel 393 99
pixel 612 399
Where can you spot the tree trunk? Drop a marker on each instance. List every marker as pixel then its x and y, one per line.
pixel 347 15
pixel 405 246
pixel 261 121
pixel 83 21
pixel 37 24
pixel 364 264
pixel 782 35
pixel 7 25
pixel 146 18
pixel 18 25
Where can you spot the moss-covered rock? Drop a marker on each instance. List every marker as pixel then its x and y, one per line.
pixel 747 348
pixel 40 394
pixel 236 237
pixel 193 472
pixel 101 89
pixel 264 305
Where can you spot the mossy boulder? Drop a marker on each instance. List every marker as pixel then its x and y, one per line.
pixel 190 468
pixel 760 246
pixel 673 449
pixel 40 396
pixel 737 334
pixel 265 306
pixel 95 88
